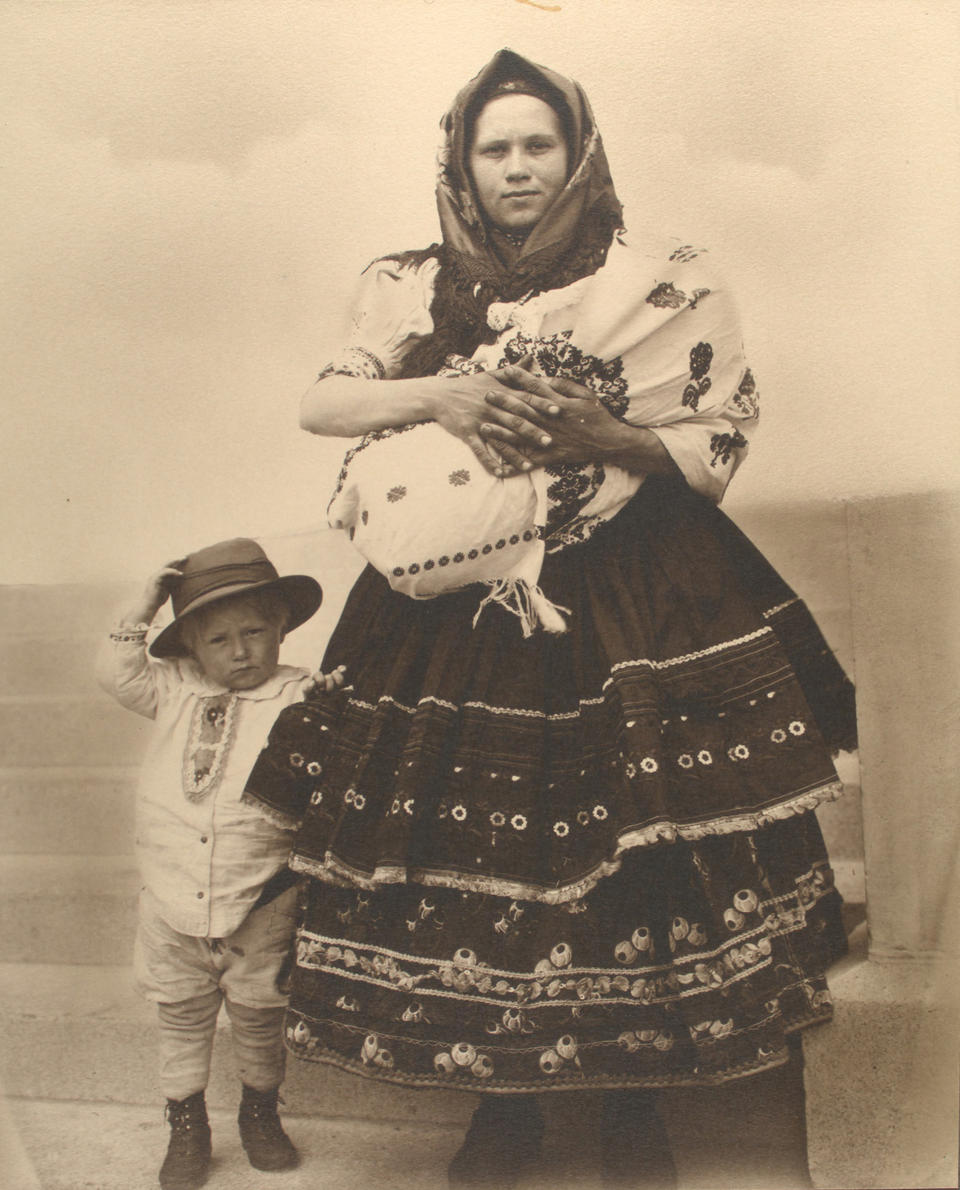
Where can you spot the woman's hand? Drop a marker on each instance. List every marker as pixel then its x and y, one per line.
pixel 574 424
pixel 577 425
pixel 465 404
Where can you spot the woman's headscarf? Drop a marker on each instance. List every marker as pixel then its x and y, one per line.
pixel 477 265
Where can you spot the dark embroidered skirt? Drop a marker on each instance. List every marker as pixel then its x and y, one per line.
pixel 576 860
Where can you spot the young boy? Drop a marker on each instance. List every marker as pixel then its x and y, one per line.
pixel 218 903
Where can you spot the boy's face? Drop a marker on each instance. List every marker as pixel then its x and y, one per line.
pixel 236 644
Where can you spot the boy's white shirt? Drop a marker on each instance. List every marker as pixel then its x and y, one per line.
pixel 204 861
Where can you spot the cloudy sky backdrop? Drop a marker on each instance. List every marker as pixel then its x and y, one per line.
pixel 189 190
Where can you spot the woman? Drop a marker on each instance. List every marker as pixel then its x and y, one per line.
pixel 584 859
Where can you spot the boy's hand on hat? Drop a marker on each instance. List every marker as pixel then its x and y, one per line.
pixel 157 591
pixel 321 683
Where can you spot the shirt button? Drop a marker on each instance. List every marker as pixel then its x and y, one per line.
pixel 199 896
pixel 203 838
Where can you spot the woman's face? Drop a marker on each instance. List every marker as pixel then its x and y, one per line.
pixel 518 160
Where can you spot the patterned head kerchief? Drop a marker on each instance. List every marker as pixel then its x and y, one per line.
pixel 589 189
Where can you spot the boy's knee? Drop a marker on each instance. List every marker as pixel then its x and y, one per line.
pixel 252 1019
pixel 196 1012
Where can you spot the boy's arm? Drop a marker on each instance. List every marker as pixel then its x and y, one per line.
pixel 123 668
pixel 125 672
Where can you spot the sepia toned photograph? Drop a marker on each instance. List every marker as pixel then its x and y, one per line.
pixel 479 595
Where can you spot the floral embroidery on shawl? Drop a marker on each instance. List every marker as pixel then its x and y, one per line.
pixel 555 355
pixel 723 446
pixel 666 296
pixel 685 253
pixel 701 357
pixel 574 486
pixel 746 398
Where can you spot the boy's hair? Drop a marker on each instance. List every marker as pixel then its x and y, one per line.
pixel 270 603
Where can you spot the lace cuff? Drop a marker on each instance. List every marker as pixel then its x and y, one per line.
pixel 129 634
pixel 355 361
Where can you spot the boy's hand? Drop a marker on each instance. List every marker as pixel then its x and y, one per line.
pixel 321 683
pixel 155 593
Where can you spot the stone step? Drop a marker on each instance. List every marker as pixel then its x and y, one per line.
pixel 82 1033
pixel 66 811
pixel 111 1146
pixel 82 908
pixel 68 908
pixel 64 608
pixel 84 729
pixel 53 664
pixel 80 1066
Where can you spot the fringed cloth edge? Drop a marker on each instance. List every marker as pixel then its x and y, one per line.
pixel 285 822
pixel 332 870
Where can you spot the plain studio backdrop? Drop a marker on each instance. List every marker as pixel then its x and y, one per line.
pixel 189 193
pixel 191 189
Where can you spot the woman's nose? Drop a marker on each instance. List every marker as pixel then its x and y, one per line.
pixel 517 166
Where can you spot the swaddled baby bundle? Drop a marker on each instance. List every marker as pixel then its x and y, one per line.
pixel 650 333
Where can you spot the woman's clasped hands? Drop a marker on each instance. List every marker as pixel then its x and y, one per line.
pixel 544 422
pixel 527 421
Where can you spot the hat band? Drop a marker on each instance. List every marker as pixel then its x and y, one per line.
pixel 202 582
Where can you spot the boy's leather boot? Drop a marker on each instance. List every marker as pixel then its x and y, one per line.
pixel 187 1161
pixel 266 1144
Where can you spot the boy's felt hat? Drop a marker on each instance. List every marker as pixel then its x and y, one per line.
pixel 235 567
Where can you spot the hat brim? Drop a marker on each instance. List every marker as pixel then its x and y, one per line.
pixel 301 593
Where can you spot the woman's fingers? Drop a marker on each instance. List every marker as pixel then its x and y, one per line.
pixel 489 457
pixel 514 458
pixel 535 390
pixel 570 388
pixel 509 446
pixel 520 415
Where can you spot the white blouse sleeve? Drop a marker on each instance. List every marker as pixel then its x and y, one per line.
pixel 391 312
pixel 127 673
pixel 709 449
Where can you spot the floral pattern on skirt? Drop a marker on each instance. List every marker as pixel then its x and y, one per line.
pixel 688 966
